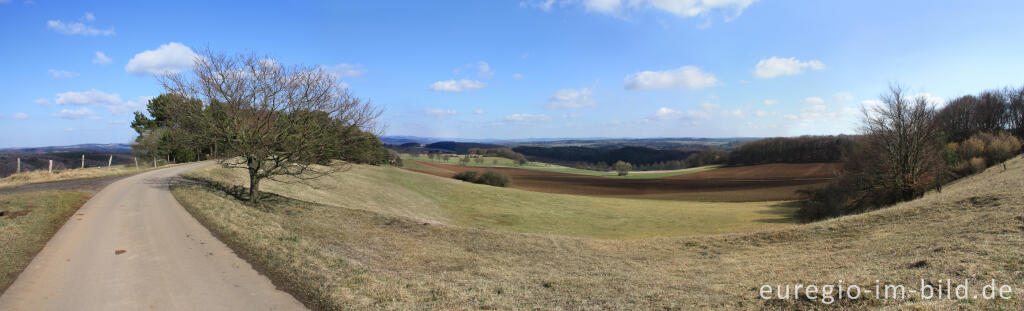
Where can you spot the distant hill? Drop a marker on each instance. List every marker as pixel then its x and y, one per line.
pixel 459 147
pixel 64 157
pixel 97 148
pixel 571 154
pixel 678 143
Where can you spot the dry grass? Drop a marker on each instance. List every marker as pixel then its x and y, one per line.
pixel 344 258
pixel 28 221
pixel 40 176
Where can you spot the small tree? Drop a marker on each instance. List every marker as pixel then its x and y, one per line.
pixel 903 145
pixel 464 160
pixel 622 168
pixel 272 120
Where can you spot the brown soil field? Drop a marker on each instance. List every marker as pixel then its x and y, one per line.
pixel 766 182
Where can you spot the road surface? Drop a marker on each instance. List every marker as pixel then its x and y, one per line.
pixel 133 247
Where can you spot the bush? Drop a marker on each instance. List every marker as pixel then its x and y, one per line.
pixel 490 177
pixel 978 164
pixel 983 150
pixel 494 179
pixel 622 168
pixel 469 176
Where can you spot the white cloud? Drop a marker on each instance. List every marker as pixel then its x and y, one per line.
pixel 478 111
pixel 74 114
pixel 517 76
pixel 665 113
pixel 770 102
pixel 571 115
pixel 95 98
pixel 543 5
pixel 43 102
pixel 169 58
pixel 100 58
pixel 61 74
pixel 345 70
pixel 19 115
pixel 76 28
pixel 439 112
pixel 570 98
pixel 738 112
pixel 89 17
pixel 814 101
pixel 603 6
pixel 681 8
pixel 762 113
pixel 932 100
pixel 456 86
pixel 791 117
pixel 527 118
pixel 814 108
pixel 842 97
pixel 484 70
pixel 774 67
pixel 688 77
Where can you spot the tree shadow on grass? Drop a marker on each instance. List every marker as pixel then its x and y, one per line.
pixel 786 212
pixel 269 202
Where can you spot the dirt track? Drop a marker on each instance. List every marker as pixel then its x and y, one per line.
pixel 133 247
pixel 769 182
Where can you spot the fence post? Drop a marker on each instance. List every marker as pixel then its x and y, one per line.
pixel 136 163
pixel 83 160
pixel 51 167
pixel 109 161
pixel 19 165
pixel 154 162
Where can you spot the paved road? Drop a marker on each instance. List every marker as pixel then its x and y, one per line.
pixel 169 261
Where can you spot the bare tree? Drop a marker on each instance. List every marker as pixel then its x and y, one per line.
pixel 902 145
pixel 270 119
pixel 1015 110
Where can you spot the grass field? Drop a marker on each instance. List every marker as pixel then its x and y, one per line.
pixel 342 257
pixel 547 167
pixel 398 192
pixel 753 183
pixel 39 176
pixel 28 221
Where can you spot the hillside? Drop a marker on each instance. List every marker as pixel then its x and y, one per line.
pixel 348 256
pixel 398 192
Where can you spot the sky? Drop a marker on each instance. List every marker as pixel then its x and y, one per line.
pixel 73 72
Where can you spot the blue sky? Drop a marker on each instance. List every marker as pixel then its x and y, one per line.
pixel 517 69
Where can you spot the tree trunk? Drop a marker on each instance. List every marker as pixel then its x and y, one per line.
pixel 254 187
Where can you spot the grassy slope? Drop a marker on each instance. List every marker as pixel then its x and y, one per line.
pixel 537 166
pixel 91 172
pixel 428 198
pixel 23 235
pixel 337 258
